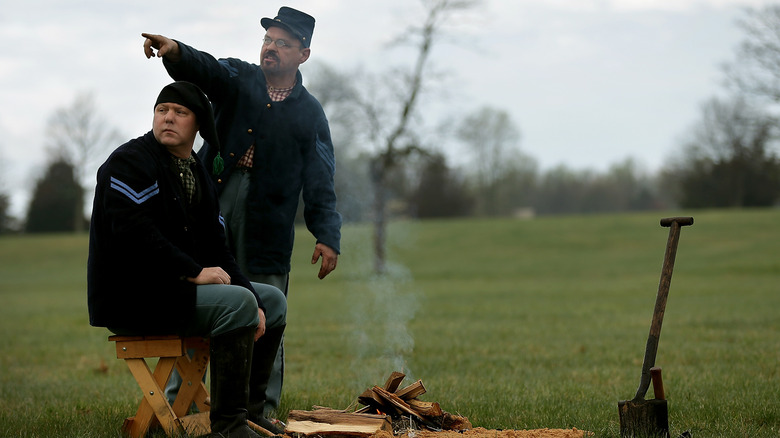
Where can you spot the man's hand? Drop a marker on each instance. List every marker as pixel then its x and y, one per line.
pixel 214 275
pixel 260 327
pixel 329 259
pixel 165 47
pixel 218 275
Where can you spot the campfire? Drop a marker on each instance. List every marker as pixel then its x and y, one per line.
pixel 389 408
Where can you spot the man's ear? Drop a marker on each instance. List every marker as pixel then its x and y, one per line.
pixel 305 53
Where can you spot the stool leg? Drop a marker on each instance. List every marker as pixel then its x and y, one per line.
pixel 154 404
pixel 192 371
pixel 201 359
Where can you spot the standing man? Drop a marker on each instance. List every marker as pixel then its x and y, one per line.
pixel 158 261
pixel 276 145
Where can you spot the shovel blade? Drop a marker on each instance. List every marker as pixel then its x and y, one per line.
pixel 644 419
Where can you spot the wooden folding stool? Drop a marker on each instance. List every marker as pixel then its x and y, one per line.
pixel 154 407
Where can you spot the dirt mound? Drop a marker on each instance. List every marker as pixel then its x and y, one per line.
pixel 480 432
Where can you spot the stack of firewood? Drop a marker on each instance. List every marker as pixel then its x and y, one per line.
pixel 382 408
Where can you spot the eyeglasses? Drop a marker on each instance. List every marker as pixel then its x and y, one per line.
pixel 279 43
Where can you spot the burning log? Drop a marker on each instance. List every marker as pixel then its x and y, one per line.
pixel 426 409
pixel 394 381
pixel 373 402
pixel 400 406
pixel 333 422
pixel 412 391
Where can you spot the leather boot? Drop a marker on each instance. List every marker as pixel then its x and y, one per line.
pixel 231 363
pixel 262 363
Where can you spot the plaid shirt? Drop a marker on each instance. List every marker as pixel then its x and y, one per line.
pixel 276 95
pixel 186 175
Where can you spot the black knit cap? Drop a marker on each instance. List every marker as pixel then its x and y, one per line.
pixel 294 21
pixel 189 95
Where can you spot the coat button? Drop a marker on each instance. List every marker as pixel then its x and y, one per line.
pixel 249 131
pixel 268 106
pixel 219 181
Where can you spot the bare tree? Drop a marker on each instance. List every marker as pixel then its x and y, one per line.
pixel 79 136
pixel 493 142
pixel 389 121
pixel 729 160
pixel 756 67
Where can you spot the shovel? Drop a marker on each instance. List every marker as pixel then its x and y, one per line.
pixel 650 418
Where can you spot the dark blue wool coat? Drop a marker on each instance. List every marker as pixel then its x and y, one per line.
pixel 293 155
pixel 145 240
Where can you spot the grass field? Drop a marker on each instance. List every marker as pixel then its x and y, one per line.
pixel 515 324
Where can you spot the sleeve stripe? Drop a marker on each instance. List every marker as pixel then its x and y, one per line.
pixel 322 151
pixel 137 197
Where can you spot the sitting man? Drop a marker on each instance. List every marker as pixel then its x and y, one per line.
pixel 157 248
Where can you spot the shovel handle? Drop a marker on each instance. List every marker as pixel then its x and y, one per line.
pixel 683 221
pixel 674 224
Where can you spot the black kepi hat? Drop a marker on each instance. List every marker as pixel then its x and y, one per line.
pixel 189 95
pixel 294 21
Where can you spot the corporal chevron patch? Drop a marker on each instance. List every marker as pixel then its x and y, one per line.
pixel 322 151
pixel 137 197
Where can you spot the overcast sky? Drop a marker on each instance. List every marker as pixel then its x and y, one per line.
pixel 589 83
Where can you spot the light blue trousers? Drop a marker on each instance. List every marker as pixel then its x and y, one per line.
pixel 220 308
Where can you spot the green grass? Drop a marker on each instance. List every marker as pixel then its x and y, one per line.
pixel 514 324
